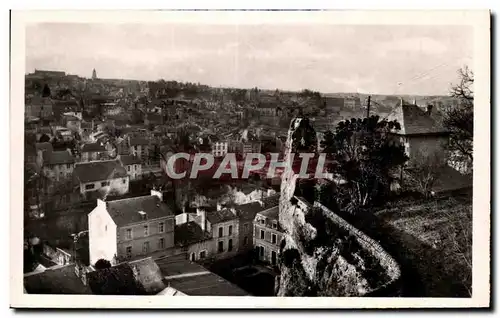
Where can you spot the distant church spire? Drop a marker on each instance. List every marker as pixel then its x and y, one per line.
pixel 94 74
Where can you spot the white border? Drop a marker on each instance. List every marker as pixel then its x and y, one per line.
pixel 479 20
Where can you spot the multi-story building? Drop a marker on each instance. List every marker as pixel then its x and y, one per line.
pixel 133 166
pixel 93 151
pixel 108 174
pixel 267 235
pixel 130 228
pixel 220 148
pixel 139 147
pixel 58 165
pixel 224 227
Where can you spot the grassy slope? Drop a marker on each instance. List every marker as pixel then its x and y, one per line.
pixel 436 237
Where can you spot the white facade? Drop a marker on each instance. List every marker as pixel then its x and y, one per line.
pixel 118 185
pixel 219 149
pixel 102 234
pixel 134 171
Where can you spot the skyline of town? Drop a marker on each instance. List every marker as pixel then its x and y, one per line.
pixel 263 56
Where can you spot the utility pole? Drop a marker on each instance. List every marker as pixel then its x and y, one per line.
pixel 368 107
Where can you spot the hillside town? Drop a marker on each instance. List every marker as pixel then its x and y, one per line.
pixel 101 215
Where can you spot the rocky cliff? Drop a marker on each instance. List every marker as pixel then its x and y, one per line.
pixel 321 254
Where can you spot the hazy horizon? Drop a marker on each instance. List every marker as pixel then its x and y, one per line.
pixel 384 60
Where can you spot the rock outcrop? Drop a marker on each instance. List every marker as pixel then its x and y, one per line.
pixel 321 254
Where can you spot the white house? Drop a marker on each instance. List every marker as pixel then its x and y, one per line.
pixel 133 166
pixel 109 174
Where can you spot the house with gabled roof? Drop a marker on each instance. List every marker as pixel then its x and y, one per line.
pixel 133 166
pixel 130 228
pixel 57 165
pixel 421 134
pixel 268 235
pixel 108 175
pixel 93 151
pixel 223 224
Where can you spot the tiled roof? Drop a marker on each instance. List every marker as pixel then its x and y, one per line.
pixel 138 141
pixel 129 160
pixel 189 233
pixel 220 216
pixel 248 211
pixel 99 170
pixel 58 157
pixel 271 213
pixel 149 275
pixel 93 147
pixel 61 280
pixel 126 211
pixel 414 120
pixel 44 146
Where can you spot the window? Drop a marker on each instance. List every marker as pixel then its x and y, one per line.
pixel 261 234
pixel 220 247
pixel 261 248
pixel 146 230
pixel 245 240
pixel 68 166
pixel 230 245
pixel 145 247
pixel 273 238
pixel 161 244
pixel 129 251
pixel 161 227
pixel 245 226
pixel 129 234
pixel 128 168
pixel 221 231
pixel 262 221
pixel 193 257
pixel 203 254
pixel 275 225
pixel 124 181
pixel 230 230
pixel 104 183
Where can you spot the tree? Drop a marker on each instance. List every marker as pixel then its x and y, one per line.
pixel 459 119
pixel 46 91
pixel 327 143
pixel 44 138
pixel 423 174
pixel 102 264
pixel 365 156
pixel 304 137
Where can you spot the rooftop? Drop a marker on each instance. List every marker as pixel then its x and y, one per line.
pixel 93 147
pixel 126 211
pixel 59 280
pixel 129 160
pixel 189 233
pixel 414 120
pixel 220 216
pixel 272 213
pixel 138 141
pixel 58 157
pixel 195 280
pixel 99 170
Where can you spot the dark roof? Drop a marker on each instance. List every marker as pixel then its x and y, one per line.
pixel 138 141
pixel 129 160
pixel 249 210
pixel 59 280
pixel 271 213
pixel 99 170
pixel 57 157
pixel 201 283
pixel 220 216
pixel 149 275
pixel 93 147
pixel 272 200
pixel 189 233
pixel 126 211
pixel 44 146
pixel 414 120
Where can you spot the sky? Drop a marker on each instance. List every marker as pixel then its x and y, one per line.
pixel 415 60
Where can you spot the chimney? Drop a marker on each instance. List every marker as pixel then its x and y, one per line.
pixel 203 219
pixel 429 109
pixel 101 203
pixel 158 194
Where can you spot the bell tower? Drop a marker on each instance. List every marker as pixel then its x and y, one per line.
pixel 94 74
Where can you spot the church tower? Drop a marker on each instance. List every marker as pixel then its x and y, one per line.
pixel 94 74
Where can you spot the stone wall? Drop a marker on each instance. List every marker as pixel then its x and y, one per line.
pixel 313 264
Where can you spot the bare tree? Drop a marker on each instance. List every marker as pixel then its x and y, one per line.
pixel 423 173
pixel 459 119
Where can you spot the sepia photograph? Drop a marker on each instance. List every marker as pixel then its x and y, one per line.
pixel 327 159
